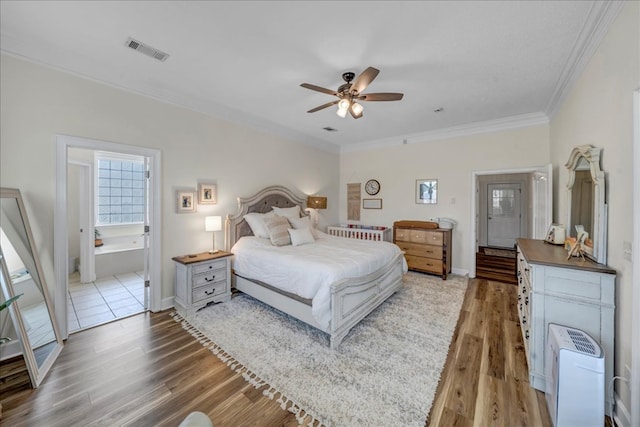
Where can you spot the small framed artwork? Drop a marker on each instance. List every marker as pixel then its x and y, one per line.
pixel 185 201
pixel 371 203
pixel 556 234
pixel 207 194
pixel 427 191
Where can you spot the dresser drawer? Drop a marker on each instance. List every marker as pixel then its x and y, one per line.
pixel 425 236
pixel 208 266
pixel 426 264
pixel 210 277
pixel 417 249
pixel 211 290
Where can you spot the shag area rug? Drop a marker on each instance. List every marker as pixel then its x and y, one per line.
pixel 385 372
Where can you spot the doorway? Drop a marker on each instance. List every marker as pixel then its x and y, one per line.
pixel 496 198
pixel 147 277
pixel 106 217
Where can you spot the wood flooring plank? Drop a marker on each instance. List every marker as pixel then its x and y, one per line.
pixel 464 386
pixel 492 408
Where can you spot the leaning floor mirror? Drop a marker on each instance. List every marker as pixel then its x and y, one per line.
pixel 29 318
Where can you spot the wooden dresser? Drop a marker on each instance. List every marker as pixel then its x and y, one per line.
pixel 427 248
pixel 576 293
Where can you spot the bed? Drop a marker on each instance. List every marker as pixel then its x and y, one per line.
pixel 350 298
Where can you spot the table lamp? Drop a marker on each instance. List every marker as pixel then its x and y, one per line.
pixel 213 223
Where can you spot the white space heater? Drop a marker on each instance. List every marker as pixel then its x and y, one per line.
pixel 574 371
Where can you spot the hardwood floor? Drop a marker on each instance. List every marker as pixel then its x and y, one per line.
pixel 147 371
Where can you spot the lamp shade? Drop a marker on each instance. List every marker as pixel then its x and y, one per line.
pixel 212 223
pixel 317 202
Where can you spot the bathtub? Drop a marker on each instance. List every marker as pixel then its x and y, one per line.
pixel 120 254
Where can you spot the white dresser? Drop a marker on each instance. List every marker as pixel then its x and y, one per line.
pixel 201 279
pixel 575 292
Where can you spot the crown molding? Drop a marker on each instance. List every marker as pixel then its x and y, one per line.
pixel 596 26
pixel 506 123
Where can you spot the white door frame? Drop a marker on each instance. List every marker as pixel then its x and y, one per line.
pixel 60 235
pixel 87 259
pixel 474 208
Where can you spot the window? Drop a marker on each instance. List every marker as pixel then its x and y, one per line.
pixel 119 190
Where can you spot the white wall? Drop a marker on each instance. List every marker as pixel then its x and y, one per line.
pixel 598 111
pixel 451 162
pixel 37 103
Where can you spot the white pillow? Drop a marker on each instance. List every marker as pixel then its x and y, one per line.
pixel 256 222
pixel 289 213
pixel 304 222
pixel 277 227
pixel 301 236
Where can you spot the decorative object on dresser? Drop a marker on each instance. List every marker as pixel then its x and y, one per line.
pixel 363 232
pixel 213 223
pixel 586 206
pixel 427 248
pixel 201 279
pixel 427 191
pixel 571 292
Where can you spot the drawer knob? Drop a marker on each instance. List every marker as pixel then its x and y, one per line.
pixel 526 334
pixel 211 266
pixel 210 280
pixel 210 292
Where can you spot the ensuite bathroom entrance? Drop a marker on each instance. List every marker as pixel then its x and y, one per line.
pixel 107 214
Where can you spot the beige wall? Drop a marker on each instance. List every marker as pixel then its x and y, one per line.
pixel 598 111
pixel 37 103
pixel 451 162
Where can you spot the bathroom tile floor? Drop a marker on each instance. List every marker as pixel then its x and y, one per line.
pixel 102 301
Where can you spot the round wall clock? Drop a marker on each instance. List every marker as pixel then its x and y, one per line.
pixel 372 187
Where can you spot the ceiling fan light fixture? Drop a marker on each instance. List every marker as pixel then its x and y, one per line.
pixel 344 104
pixel 357 108
pixel 342 112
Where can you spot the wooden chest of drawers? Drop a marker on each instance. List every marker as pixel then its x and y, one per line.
pixel 426 249
pixel 202 279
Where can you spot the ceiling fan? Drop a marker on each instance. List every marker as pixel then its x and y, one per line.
pixel 350 93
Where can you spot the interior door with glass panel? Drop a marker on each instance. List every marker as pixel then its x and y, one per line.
pixel 504 214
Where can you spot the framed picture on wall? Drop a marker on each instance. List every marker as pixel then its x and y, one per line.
pixel 185 201
pixel 427 191
pixel 371 203
pixel 207 194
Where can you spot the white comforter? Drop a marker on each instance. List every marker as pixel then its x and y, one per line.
pixel 309 270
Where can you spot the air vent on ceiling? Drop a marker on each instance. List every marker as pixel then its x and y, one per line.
pixel 330 129
pixel 146 50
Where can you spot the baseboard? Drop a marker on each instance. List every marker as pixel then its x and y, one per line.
pixel 166 303
pixel 621 416
pixel 459 271
pixel 10 349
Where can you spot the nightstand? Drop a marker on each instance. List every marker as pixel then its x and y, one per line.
pixel 201 279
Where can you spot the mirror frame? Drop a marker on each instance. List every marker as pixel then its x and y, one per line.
pixel 37 374
pixel 599 233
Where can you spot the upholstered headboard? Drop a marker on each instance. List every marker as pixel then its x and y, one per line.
pixel 261 202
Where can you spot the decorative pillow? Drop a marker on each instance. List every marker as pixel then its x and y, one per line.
pixel 304 222
pixel 301 236
pixel 292 212
pixel 256 222
pixel 277 227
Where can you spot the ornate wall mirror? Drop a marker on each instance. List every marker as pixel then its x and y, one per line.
pixel 31 315
pixel 586 205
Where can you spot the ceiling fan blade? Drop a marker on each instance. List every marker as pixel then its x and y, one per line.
pixel 387 96
pixel 364 79
pixel 319 89
pixel 323 106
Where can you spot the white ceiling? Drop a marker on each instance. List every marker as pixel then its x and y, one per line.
pixel 483 62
